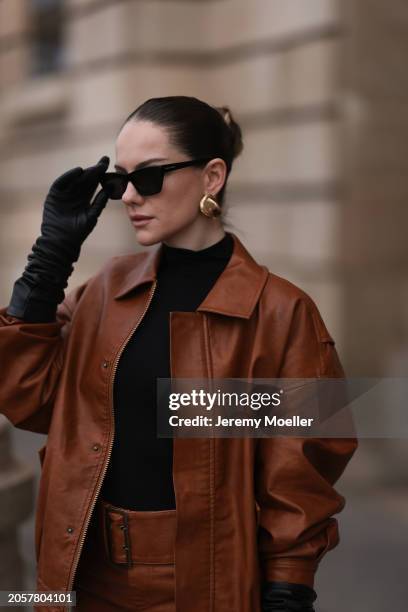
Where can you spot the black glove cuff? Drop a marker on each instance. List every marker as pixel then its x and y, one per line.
pixel 287 597
pixel 37 293
pixel 32 305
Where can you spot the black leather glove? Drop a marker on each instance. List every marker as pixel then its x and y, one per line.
pixel 287 597
pixel 68 218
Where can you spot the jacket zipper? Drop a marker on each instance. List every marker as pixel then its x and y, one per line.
pixel 115 365
pixel 211 443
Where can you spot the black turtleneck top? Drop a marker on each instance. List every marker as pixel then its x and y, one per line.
pixel 140 471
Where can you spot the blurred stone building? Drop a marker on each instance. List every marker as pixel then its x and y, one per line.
pixel 319 89
pixel 71 71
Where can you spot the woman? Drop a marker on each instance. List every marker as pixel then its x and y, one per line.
pixel 129 520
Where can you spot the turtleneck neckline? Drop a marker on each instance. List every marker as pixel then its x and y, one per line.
pixel 220 250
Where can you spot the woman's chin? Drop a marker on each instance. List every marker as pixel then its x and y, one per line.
pixel 146 237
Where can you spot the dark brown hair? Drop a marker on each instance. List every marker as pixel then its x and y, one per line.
pixel 195 127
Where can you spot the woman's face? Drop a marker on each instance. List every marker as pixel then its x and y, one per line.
pixel 174 214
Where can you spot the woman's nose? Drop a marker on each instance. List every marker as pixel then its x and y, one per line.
pixel 131 195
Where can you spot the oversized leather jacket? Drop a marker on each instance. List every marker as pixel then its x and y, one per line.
pixel 247 508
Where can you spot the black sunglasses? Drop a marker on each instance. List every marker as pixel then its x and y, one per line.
pixel 148 181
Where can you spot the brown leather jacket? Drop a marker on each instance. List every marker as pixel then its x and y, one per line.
pixel 57 378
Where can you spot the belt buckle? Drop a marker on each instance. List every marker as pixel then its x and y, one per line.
pixel 125 529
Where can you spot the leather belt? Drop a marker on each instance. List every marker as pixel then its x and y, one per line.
pixel 138 536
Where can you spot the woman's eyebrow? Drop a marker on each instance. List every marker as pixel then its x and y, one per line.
pixel 142 164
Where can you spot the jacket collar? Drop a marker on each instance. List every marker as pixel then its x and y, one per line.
pixel 235 292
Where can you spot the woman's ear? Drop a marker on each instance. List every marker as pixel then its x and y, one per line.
pixel 215 174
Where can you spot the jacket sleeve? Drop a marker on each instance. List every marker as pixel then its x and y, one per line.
pixel 294 476
pixel 32 356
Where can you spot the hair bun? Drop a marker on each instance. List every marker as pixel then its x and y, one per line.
pixel 226 114
pixel 236 134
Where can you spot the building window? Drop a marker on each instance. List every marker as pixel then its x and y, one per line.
pixel 47 36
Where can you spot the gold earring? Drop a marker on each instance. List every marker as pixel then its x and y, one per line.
pixel 209 206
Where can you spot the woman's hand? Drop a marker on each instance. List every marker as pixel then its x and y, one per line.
pixel 69 216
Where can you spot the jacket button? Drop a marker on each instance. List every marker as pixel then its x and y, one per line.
pixel 96 447
pixel 70 529
pixel 105 364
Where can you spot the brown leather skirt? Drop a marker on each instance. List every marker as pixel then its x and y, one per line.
pixel 127 561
